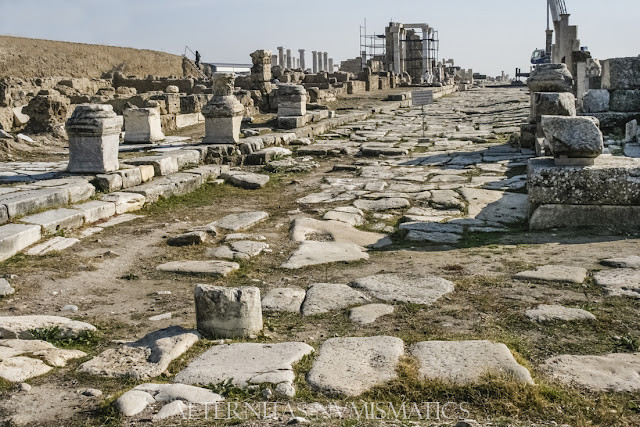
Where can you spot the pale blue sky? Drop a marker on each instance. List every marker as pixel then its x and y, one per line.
pixel 488 36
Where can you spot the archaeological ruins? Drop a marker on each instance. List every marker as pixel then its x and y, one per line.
pixel 315 235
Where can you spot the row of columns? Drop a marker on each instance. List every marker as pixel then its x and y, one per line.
pixel 320 60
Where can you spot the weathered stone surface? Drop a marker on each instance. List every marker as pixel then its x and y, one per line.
pixel 550 78
pixel 348 215
pixel 551 104
pixel 173 409
pixel 596 101
pixel 632 261
pixel 19 368
pixel 142 125
pixel 621 73
pixel 337 231
pixel 245 249
pixel 209 268
pixel 324 297
pixel 625 101
pixel 554 273
pixel 143 359
pixel 21 326
pixel 351 366
pixel 94 137
pixel 58 357
pixel 544 313
pixel 620 282
pixel 244 364
pixel 5 288
pixel 133 402
pixel 241 221
pixel 418 289
pixel 162 165
pixel 610 181
pixel 96 210
pixel 187 393
pixel 223 312
pixel 188 239
pixel 496 206
pixel 125 202
pixel 465 362
pixel 369 313
pixel 283 300
pixel 247 180
pixel 314 253
pixel 382 204
pixel 57 219
pixel 572 136
pixel 55 244
pixel 23 203
pixel 611 372
pixel 618 218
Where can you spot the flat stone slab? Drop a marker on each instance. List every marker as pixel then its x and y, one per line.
pixel 465 362
pixel 209 268
pixel 618 372
pixel 351 366
pixel 304 228
pixel 55 244
pixel 137 399
pixel 57 219
pixel 367 314
pixel 287 300
pixel 143 359
pixel 244 364
pixel 348 215
pixel 247 180
pixel 382 204
pixel 20 326
pixel 241 221
pixel 16 237
pixel 418 289
pixel 632 261
pixel 544 313
pixel 554 273
pixel 21 368
pixel 624 282
pixel 5 288
pixel 496 206
pixel 315 253
pixel 325 297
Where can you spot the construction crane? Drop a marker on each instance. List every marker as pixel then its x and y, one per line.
pixel 555 8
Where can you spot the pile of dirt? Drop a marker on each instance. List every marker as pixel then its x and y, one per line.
pixel 25 58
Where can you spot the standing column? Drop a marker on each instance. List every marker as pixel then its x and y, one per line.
pixel 425 51
pixel 289 62
pixel 314 55
pixel 302 64
pixel 325 61
pixel 274 59
pixel 331 65
pixel 281 56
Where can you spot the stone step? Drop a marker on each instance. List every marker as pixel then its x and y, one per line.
pixel 56 220
pixel 16 237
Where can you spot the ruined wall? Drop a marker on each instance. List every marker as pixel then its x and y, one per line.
pixel 27 58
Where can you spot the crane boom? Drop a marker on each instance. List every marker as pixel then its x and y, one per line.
pixel 556 8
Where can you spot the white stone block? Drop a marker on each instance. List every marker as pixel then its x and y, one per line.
pixel 16 237
pixel 142 125
pixel 57 219
pixel 96 210
pixel 125 202
pixel 228 312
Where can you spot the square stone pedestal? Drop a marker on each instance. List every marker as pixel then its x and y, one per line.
pixel 142 126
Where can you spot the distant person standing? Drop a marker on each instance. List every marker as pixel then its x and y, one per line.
pixel 197 59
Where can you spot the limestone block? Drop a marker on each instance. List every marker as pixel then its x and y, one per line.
pixel 625 100
pixel 619 218
pixel 228 312
pixel 610 181
pixel 16 237
pixel 621 73
pixel 551 104
pixel 550 78
pixel 261 70
pixel 632 131
pixel 22 203
pixel 125 202
pixel 172 89
pixel 20 368
pixel 21 327
pixel 210 268
pixel 55 220
pixel 596 101
pixel 292 100
pixel 162 165
pixel 94 137
pixel 577 137
pixel 57 243
pixel 142 125
pixel 147 172
pixel 223 84
pixel 108 183
pixel 96 210
pixel 130 177
pixel 223 118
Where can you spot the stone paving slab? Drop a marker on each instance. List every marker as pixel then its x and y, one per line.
pixel 620 282
pixel 57 219
pixel 340 232
pixel 241 221
pixel 467 362
pixel 20 327
pixel 16 237
pixel 283 300
pixel 544 313
pixel 210 268
pixel 367 314
pixel 423 289
pixel 325 297
pixel 311 253
pixel 57 243
pixel 351 366
pixel 618 372
pixel 554 273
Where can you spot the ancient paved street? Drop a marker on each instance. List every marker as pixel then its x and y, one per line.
pixel 392 263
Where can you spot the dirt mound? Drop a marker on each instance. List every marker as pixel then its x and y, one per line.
pixel 24 58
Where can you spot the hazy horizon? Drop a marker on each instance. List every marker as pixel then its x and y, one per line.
pixel 489 38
